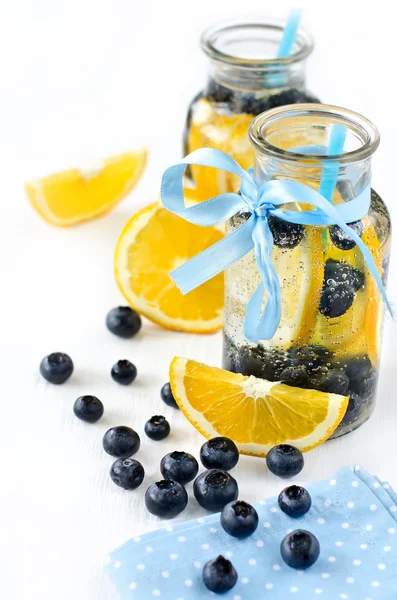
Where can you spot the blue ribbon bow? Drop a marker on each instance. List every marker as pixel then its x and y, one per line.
pixel 262 200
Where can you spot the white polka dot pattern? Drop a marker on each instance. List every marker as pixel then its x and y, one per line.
pixel 353 515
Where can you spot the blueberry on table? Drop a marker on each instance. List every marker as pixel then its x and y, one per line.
pixel 121 441
pixel 219 575
pixel 285 460
pixel 157 428
pixel 300 549
pixel 123 321
pixel 214 489
pixel 285 234
pixel 56 367
pixel 341 240
pixel 239 519
pixel 127 473
pixel 219 453
pixel 166 499
pixel 124 372
pixel 294 501
pixel 167 396
pixel 88 408
pixel 179 466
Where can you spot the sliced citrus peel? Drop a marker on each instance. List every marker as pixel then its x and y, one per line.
pixel 256 414
pixel 152 244
pixel 78 195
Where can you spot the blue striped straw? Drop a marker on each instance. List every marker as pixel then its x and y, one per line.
pixel 329 178
pixel 289 34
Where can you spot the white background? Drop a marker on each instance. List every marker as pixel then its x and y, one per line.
pixel 80 81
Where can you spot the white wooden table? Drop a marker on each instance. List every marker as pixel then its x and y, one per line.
pixel 83 80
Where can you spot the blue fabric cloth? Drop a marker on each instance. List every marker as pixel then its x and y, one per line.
pixel 354 516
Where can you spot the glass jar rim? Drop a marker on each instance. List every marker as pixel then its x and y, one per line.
pixel 213 33
pixel 364 128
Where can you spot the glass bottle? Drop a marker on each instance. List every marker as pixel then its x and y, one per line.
pixel 244 80
pixel 330 334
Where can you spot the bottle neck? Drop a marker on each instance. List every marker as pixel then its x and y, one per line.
pixel 292 142
pixel 265 81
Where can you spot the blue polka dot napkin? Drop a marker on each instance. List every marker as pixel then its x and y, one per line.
pixel 354 516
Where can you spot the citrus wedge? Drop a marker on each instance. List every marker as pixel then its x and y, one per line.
pixel 300 271
pixel 77 195
pixel 256 414
pixel 153 243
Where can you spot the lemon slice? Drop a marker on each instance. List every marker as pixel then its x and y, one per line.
pixel 210 129
pixel 153 243
pixel 256 414
pixel 300 271
pixel 77 195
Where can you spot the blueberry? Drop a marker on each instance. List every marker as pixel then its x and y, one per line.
pixel 88 408
pixel 285 461
pixel 166 499
pixel 300 549
pixel 123 321
pixel 295 376
pixel 219 575
pixel 292 96
pixel 121 442
pixel 124 372
pixel 313 357
pixel 250 104
pixel 294 501
pixel 353 410
pixel 219 453
pixel 364 386
pixel 57 367
pixel 157 428
pixel 179 466
pixel 341 240
pixel 239 519
pixel 214 489
pixel 215 92
pixel 358 367
pixel 285 234
pixel 127 473
pixel 334 381
pixel 341 282
pixel 167 396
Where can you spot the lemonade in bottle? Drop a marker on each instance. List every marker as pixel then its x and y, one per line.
pixel 245 79
pixel 330 333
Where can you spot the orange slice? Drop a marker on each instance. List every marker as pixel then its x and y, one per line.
pixel 153 243
pixel 77 195
pixel 256 414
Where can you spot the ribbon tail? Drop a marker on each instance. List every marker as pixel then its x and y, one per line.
pixel 214 259
pixel 262 326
